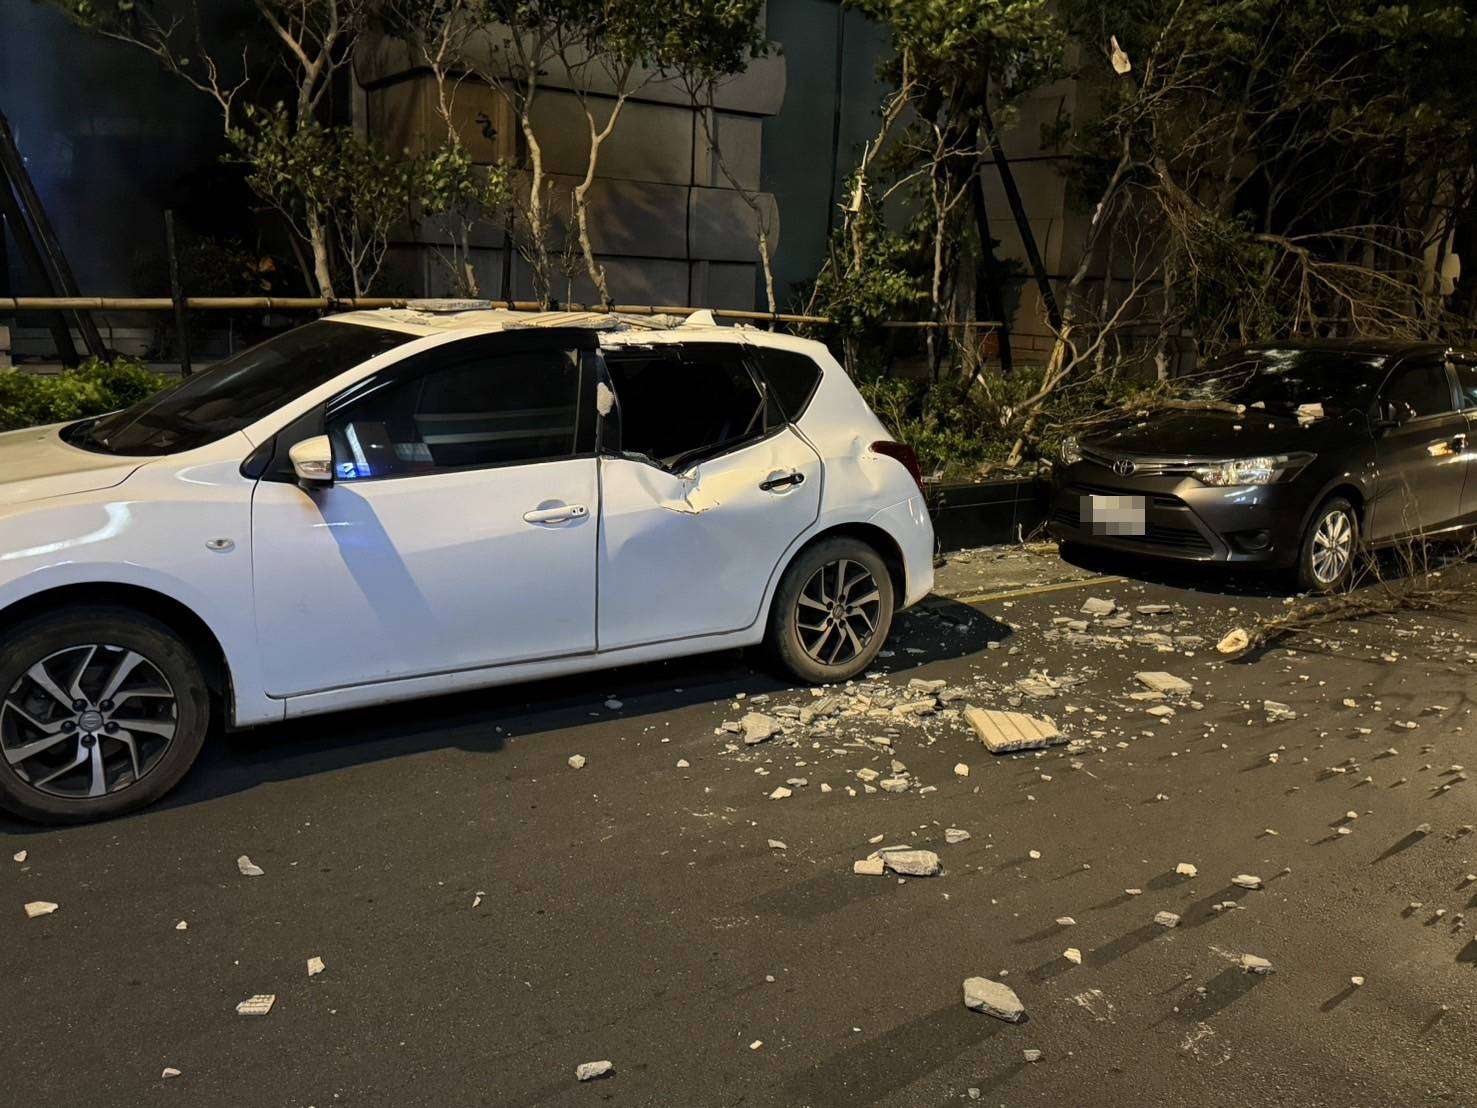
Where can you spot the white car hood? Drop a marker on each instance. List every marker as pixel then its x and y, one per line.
pixel 35 464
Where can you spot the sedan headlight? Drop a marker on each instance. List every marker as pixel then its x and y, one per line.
pixel 1071 451
pixel 1252 471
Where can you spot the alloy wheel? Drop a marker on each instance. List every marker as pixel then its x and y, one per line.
pixel 837 612
pixel 1333 546
pixel 87 721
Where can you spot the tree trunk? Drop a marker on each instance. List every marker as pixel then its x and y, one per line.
pixel 318 243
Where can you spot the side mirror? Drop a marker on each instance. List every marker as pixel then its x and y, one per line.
pixel 312 461
pixel 1386 418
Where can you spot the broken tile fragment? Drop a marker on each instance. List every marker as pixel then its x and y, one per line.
pixel 257 1005
pixel 589 1071
pixel 994 999
pixel 1166 683
pixel 36 908
pixel 1003 732
pixel 248 868
pixel 758 727
pixel 912 863
pixel 1252 963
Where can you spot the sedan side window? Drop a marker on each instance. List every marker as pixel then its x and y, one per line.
pixel 678 407
pixel 472 410
pixel 1422 389
pixel 1466 380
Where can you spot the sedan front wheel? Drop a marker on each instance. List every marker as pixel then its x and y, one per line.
pixel 104 710
pixel 1330 547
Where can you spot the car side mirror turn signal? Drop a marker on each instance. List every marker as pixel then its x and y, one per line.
pixel 312 461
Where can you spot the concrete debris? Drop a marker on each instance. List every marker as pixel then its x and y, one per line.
pixel 18 856
pixel 955 835
pixel 614 705
pixel 257 1005
pixel 1073 955
pixel 1357 981
pixel 1246 881
pixel 315 966
pixel 758 727
pixel 1186 869
pixel 1166 683
pixel 1166 919
pixel 1096 606
pixel 1277 711
pixel 1004 732
pixel 182 925
pixel 1235 642
pixel 576 761
pixel 961 770
pixel 37 908
pixel 589 1071
pixel 869 867
pixel 1065 921
pixel 776 844
pixel 683 763
pixel 912 863
pixel 168 1072
pixel 249 868
pixel 1031 1055
pixel 780 793
pixel 994 999
pixel 894 784
pixel 1251 963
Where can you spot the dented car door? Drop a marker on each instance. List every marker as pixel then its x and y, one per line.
pixel 704 487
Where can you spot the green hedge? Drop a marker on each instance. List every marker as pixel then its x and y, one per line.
pixel 94 387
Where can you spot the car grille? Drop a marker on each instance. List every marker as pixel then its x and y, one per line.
pixel 1181 538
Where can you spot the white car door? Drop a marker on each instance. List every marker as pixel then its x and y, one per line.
pixel 460 529
pixel 703 488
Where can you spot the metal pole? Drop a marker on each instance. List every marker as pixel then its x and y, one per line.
pixel 1018 209
pixel 61 334
pixel 177 294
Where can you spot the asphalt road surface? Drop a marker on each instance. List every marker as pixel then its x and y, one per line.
pixel 489 917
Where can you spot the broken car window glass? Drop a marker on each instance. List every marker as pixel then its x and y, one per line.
pixel 679 407
pixel 472 410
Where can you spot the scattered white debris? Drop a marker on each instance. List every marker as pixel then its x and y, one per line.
pixel 614 705
pixel 1003 732
pixel 576 761
pixel 780 793
pixel 18 856
pixel 1277 711
pixel 37 908
pixel 994 999
pixel 1166 919
pixel 1234 642
pixel 249 868
pixel 1167 683
pixel 956 835
pixel 1186 869
pixel 1073 955
pixel 1031 1055
pixel 315 966
pixel 1095 606
pixel 1251 963
pixel 683 763
pixel 1309 413
pixel 911 863
pixel 776 844
pixel 869 867
pixel 1357 981
pixel 1065 921
pixel 589 1071
pixel 168 1072
pixel 961 770
pixel 758 727
pixel 1247 881
pixel 257 1005
pixel 756 1044
pixel 182 925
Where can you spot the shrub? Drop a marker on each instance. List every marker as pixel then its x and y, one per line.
pixel 94 387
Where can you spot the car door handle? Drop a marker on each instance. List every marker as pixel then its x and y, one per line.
pixel 784 481
pixel 557 514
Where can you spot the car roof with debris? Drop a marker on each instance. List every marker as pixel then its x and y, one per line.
pixel 435 317
pixel 1386 348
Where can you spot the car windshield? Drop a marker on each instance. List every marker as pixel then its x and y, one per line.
pixel 1284 379
pixel 236 392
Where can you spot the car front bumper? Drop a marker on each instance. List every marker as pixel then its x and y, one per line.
pixel 1183 519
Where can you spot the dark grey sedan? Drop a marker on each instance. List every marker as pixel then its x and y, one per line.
pixel 1294 456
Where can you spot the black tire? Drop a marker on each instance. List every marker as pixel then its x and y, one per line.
pixel 1314 573
pixel 61 640
pixel 793 641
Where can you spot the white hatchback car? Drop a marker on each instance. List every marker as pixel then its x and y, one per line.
pixel 391 504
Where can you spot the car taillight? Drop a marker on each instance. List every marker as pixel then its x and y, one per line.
pixel 903 453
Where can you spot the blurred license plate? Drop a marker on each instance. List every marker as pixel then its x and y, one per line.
pixel 1113 515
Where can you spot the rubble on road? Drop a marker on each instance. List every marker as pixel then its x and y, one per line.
pixel 1247 881
pixel 315 966
pixel 994 999
pixel 1167 683
pixel 248 868
pixel 257 1005
pixel 757 727
pixel 1005 732
pixel 1166 919
pixel 1251 963
pixel 1234 642
pixel 911 862
pixel 576 761
pixel 36 908
pixel 871 866
pixel 589 1071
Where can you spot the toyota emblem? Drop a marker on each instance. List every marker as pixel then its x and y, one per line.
pixel 1124 468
